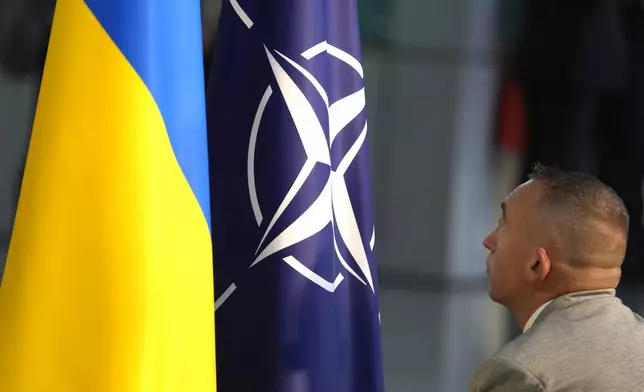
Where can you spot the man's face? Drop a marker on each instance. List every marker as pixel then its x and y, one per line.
pixel 512 244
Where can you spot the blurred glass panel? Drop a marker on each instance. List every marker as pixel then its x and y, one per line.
pixel 24 32
pixel 375 17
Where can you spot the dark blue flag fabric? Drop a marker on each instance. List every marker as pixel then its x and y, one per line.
pixel 292 224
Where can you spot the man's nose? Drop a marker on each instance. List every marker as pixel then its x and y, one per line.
pixel 490 241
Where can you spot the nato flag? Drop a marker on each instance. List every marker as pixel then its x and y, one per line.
pixel 292 224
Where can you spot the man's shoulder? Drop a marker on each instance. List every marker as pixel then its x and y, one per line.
pixel 568 342
pixel 530 349
pixel 502 374
pixel 565 334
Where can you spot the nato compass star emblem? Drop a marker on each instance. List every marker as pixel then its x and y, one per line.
pixel 333 205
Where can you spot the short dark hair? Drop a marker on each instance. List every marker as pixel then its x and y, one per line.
pixel 594 208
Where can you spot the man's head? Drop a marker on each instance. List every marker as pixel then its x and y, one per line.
pixel 559 232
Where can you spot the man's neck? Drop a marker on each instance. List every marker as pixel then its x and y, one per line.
pixel 522 317
pixel 523 313
pixel 535 316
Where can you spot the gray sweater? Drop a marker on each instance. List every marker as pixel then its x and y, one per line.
pixel 587 341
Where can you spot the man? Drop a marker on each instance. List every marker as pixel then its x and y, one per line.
pixel 555 261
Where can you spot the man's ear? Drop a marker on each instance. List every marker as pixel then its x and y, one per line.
pixel 540 267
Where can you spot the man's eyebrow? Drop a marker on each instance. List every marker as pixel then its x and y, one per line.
pixel 503 209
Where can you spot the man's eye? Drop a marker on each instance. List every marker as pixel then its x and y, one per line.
pixel 500 221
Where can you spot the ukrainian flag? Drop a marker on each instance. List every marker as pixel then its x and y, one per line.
pixel 108 285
